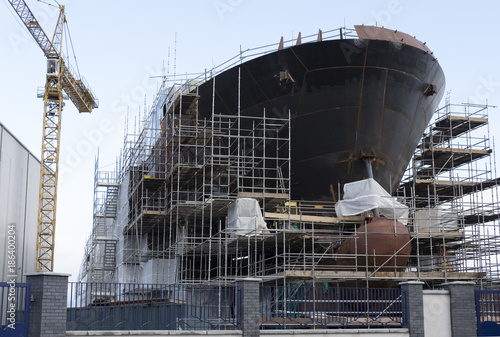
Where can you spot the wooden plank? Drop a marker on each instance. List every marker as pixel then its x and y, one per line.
pixel 260 195
pixel 107 184
pixel 346 274
pixel 312 218
pixel 445 182
pixel 467 119
pixel 446 235
pixel 460 151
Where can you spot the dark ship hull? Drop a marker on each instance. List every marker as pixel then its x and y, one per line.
pixel 348 99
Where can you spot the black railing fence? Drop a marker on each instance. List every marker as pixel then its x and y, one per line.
pixel 119 306
pixel 328 307
pixel 127 306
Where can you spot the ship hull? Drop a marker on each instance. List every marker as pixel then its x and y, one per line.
pixel 348 99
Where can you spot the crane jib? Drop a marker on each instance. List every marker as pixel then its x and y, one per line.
pixel 59 78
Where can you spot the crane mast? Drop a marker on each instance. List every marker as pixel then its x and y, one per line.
pixel 59 79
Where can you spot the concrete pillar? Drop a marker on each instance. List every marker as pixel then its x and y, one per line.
pixel 249 306
pixel 462 308
pixel 413 298
pixel 49 292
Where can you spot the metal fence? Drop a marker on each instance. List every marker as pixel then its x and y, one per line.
pixel 14 309
pixel 488 312
pixel 120 306
pixel 305 306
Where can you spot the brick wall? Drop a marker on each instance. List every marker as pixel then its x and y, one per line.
pixel 249 290
pixel 412 292
pixel 462 308
pixel 48 307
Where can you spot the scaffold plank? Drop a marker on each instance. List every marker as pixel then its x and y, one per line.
pixel 438 235
pixel 385 275
pixel 312 218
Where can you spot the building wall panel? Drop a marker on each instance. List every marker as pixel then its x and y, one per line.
pixel 19 181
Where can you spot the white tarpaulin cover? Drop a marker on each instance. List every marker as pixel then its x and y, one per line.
pixel 365 195
pixel 435 220
pixel 245 217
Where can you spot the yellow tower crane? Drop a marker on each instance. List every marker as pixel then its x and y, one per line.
pixel 59 79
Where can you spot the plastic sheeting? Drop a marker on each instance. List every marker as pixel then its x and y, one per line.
pixel 435 220
pixel 160 271
pixel 365 195
pixel 245 217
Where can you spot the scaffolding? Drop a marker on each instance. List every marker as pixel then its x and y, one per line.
pixel 452 188
pixel 177 175
pixel 169 213
pixel 99 259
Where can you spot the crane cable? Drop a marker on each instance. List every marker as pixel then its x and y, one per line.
pixel 66 44
pixel 73 51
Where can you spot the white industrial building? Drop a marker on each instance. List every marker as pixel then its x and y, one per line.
pixel 19 183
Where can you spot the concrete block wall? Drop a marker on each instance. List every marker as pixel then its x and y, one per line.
pixel 462 308
pixel 249 292
pixel 412 292
pixel 48 305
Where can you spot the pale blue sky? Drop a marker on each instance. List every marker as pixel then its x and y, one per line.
pixel 120 44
